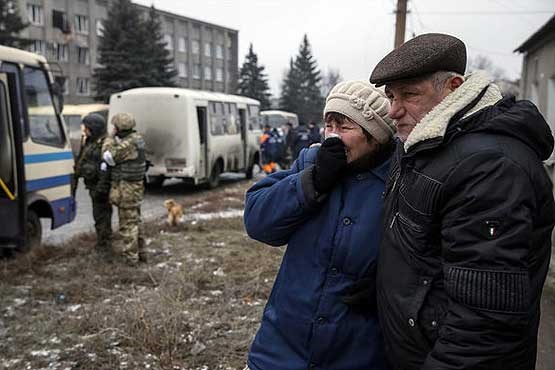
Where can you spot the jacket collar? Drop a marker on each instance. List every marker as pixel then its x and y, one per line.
pixel 434 124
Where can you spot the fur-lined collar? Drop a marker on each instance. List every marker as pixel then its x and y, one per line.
pixel 434 124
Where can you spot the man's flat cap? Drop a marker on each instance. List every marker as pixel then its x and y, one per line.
pixel 427 53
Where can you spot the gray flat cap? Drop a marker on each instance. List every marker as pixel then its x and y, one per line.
pixel 427 53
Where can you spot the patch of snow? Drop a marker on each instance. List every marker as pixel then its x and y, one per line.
pixel 219 272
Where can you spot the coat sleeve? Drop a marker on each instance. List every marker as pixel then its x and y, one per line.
pixel 278 204
pixel 486 234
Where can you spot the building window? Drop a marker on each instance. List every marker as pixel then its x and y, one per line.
pixel 168 40
pixel 35 14
pixel 207 73
pixel 182 70
pixel 195 46
pixel 196 71
pixel 100 27
pixel 38 46
pixel 83 56
pixel 59 21
pixel 207 49
pixel 219 52
pixel 82 86
pixel 82 24
pixel 181 45
pixel 219 74
pixel 59 52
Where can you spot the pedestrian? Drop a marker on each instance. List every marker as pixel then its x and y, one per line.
pixel 468 215
pixel 327 209
pixel 125 152
pixel 300 140
pixel 96 175
pixel 267 142
pixel 314 132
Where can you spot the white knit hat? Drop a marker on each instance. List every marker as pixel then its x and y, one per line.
pixel 364 104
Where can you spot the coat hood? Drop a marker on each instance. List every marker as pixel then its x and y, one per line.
pixel 518 119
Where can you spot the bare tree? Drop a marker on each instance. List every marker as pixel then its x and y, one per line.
pixel 329 80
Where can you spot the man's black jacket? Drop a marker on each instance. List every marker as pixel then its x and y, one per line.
pixel 467 242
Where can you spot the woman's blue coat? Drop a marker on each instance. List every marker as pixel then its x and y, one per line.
pixel 332 239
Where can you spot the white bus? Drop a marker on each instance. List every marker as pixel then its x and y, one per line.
pixel 73 116
pixel 191 134
pixel 36 163
pixel 278 118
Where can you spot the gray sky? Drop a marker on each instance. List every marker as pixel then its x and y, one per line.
pixel 354 35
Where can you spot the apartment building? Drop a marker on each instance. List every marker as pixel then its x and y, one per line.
pixel 67 33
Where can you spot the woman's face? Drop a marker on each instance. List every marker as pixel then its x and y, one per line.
pixel 356 144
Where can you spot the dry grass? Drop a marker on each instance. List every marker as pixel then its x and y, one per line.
pixel 196 304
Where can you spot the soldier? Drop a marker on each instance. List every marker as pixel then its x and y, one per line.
pixel 125 152
pixel 96 174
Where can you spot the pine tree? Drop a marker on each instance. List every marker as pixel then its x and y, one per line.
pixel 301 87
pixel 158 59
pixel 131 52
pixel 253 81
pixel 11 25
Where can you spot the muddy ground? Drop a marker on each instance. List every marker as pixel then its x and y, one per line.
pixel 196 304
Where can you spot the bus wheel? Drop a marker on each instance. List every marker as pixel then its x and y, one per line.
pixel 214 179
pixel 33 232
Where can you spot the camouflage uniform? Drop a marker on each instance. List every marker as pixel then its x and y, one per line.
pixel 90 167
pixel 126 154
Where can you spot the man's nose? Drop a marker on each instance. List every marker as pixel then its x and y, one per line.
pixel 397 110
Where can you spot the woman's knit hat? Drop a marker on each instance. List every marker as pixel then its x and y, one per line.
pixel 364 104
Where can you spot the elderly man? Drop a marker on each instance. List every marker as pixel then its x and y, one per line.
pixel 468 215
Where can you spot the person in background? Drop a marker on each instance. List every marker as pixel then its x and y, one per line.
pixel 125 153
pixel 468 215
pixel 327 209
pixel 300 140
pixel 96 175
pixel 267 142
pixel 314 133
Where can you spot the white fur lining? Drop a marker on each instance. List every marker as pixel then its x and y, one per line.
pixel 435 122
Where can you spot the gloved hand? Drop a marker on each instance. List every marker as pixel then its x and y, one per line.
pixel 361 296
pixel 331 161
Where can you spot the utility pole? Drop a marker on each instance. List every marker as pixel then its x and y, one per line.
pixel 400 22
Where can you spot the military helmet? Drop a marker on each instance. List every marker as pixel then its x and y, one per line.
pixel 123 121
pixel 95 123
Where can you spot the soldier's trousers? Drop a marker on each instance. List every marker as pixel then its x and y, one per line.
pixel 102 214
pixel 130 231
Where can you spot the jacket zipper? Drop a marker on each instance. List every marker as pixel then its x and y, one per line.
pixel 393 220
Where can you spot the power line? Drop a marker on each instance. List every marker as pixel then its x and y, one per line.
pixel 491 13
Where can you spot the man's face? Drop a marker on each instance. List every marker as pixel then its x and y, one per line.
pixel 411 100
pixel 356 144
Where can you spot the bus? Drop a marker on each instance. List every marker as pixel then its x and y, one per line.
pixel 36 162
pixel 73 116
pixel 193 135
pixel 278 118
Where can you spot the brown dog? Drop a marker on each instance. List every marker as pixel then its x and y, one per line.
pixel 175 212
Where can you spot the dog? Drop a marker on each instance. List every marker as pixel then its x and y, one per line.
pixel 175 212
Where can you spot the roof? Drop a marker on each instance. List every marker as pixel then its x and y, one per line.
pixel 83 109
pixel 182 17
pixel 13 55
pixel 280 112
pixel 539 36
pixel 189 93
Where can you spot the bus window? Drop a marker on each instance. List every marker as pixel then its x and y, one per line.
pixel 217 124
pixel 254 119
pixel 6 147
pixel 44 125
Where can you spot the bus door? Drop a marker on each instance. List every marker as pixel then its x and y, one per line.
pixel 12 176
pixel 204 162
pixel 244 137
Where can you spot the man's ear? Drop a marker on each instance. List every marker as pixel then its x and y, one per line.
pixel 454 83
